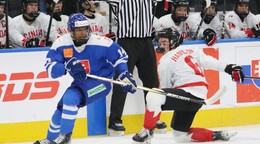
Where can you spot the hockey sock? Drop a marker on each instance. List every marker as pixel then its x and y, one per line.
pixel 54 127
pixel 200 134
pixel 71 99
pixel 68 118
pixel 150 120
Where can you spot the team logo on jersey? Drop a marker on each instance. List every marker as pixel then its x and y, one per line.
pixel 249 90
pixel 68 52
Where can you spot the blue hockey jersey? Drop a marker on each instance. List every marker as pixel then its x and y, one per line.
pixel 100 56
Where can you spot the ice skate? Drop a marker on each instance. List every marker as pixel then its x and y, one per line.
pixel 143 137
pixel 116 129
pixel 62 139
pixel 45 141
pixel 160 127
pixel 223 135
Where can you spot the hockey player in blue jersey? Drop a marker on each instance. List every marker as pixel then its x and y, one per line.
pixel 79 53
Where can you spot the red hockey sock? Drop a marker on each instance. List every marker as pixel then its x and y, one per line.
pixel 201 134
pixel 150 120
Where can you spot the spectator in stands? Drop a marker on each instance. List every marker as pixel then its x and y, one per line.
pixel 59 20
pixel 32 27
pixel 210 29
pixel 241 23
pixel 177 19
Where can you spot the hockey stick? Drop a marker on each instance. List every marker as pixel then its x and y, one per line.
pixel 223 21
pixel 6 24
pixel 209 101
pixel 208 3
pixel 50 21
pixel 250 77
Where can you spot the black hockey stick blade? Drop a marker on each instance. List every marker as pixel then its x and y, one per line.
pixel 251 77
pixel 209 101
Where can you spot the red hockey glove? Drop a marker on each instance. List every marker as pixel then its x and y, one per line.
pixel 210 36
pixel 236 72
pixel 111 35
pixel 35 42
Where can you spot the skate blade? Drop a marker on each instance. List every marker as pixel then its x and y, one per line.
pixel 160 131
pixel 115 133
pixel 232 134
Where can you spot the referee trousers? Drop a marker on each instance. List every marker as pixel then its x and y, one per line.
pixel 141 54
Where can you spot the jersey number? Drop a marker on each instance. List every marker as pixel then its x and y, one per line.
pixel 194 65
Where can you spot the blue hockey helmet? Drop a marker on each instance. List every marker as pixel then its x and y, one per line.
pixel 78 20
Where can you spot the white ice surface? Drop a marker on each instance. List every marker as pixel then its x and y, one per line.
pixel 246 135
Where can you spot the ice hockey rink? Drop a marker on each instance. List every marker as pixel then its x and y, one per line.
pixel 249 134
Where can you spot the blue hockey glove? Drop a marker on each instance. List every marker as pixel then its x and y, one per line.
pixel 236 72
pixel 76 70
pixel 128 78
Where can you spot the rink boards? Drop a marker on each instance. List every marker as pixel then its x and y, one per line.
pixel 28 97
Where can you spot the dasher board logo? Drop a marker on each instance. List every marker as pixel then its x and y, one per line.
pixel 249 90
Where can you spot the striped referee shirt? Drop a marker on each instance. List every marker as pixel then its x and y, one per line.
pixel 134 17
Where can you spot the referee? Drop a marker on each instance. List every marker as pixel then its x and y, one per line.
pixel 134 19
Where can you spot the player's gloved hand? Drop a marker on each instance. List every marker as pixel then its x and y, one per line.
pixel 210 36
pixel 76 69
pixel 111 35
pixel 34 42
pixel 128 78
pixel 256 30
pixel 236 72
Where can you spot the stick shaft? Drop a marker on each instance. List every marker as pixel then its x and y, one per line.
pixel 158 91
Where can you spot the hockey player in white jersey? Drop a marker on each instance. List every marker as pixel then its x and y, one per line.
pixel 3 25
pixel 210 28
pixel 99 25
pixel 177 19
pixel 241 23
pixel 32 26
pixel 59 20
pixel 181 72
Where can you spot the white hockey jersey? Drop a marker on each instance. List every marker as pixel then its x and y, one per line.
pixel 38 29
pixel 62 26
pixel 184 68
pixel 99 25
pixel 11 30
pixel 235 27
pixel 194 21
pixel 183 28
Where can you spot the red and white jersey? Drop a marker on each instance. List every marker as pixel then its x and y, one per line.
pixel 194 21
pixel 183 28
pixel 184 68
pixel 235 27
pixel 38 29
pixel 62 26
pixel 3 30
pixel 98 25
